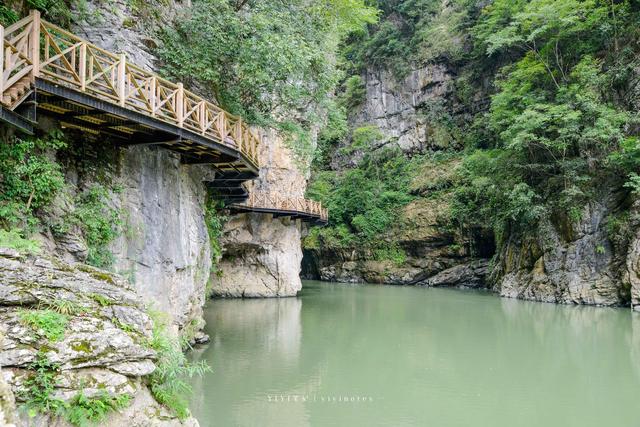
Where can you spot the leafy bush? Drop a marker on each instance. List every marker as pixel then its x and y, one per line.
pixel 215 222
pixel 354 92
pixel 333 132
pixel 39 387
pixel 555 133
pixel 82 411
pixel 412 31
pixel 58 11
pixel 634 183
pixel 364 136
pixel 167 382
pixel 7 16
pixel 45 323
pixel 270 62
pixel 14 239
pixel 392 253
pixel 30 179
pixel 99 222
pixel 363 201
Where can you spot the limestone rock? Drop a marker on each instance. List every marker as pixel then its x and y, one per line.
pixel 8 415
pixel 104 346
pixel 564 263
pixel 261 259
pixel 261 254
pixel 394 107
pixel 471 274
pixel 425 246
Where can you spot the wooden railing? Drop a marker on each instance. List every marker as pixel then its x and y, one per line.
pixel 35 48
pixel 278 202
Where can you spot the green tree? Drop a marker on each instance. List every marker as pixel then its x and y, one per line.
pixel 270 61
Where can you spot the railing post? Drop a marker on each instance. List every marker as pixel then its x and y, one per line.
pixel 1 62
pixel 152 95
pixel 180 105
pixel 203 117
pixel 82 70
pixel 222 127
pixel 35 44
pixel 121 79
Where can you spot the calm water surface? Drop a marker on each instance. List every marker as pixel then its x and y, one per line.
pixel 416 357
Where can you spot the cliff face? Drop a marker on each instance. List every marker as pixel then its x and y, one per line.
pixel 588 262
pixel 261 254
pixel 396 107
pixel 569 263
pixel 631 272
pixel 165 249
pixel 402 110
pixel 95 332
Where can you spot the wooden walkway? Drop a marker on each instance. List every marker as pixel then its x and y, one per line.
pixel 283 206
pixel 46 70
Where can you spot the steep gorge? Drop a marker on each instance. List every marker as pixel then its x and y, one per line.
pixel 431 89
pixel 407 146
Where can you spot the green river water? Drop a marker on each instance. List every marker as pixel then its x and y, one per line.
pixel 370 355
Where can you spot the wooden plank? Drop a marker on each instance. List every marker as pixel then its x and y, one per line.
pixel 17 25
pixel 180 105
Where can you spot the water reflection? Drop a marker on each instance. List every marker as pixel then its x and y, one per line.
pixel 423 356
pixel 635 343
pixel 253 340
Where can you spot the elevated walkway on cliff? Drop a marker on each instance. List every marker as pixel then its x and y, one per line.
pixel 48 71
pixel 283 206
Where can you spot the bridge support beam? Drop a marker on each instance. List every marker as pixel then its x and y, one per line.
pixel 14 119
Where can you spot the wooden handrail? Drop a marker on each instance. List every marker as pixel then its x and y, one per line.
pixel 38 49
pixel 276 201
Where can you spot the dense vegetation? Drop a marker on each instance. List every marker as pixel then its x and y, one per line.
pixel 560 126
pixel 271 62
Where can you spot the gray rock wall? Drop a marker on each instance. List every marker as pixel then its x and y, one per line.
pixel 396 108
pixel 103 348
pixel 170 257
pixel 262 255
pixel 566 262
pixel 557 262
pixel 165 248
pixel 165 251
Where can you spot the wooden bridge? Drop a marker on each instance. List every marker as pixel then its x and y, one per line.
pixel 282 206
pixel 46 70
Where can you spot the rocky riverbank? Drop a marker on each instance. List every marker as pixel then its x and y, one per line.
pixel 76 338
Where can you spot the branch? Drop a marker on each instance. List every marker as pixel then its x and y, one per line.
pixel 535 51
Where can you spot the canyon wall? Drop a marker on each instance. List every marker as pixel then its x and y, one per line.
pixel 262 254
pixel 561 261
pixel 401 110
pixel 101 350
